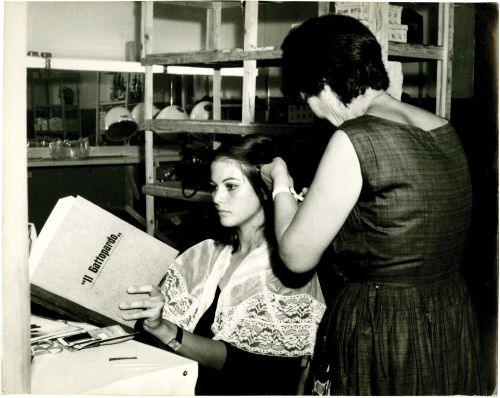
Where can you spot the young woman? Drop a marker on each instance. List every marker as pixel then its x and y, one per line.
pixel 392 197
pixel 226 303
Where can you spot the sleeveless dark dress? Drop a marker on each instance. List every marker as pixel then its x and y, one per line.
pixel 404 323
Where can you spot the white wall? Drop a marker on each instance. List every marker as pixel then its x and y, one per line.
pixel 101 30
pixel 96 30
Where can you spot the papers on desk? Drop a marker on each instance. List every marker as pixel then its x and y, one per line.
pixel 48 329
pixel 95 337
pixel 73 337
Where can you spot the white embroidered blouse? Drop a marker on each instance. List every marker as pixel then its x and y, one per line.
pixel 255 311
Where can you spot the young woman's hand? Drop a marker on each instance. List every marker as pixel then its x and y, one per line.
pixel 276 174
pixel 149 309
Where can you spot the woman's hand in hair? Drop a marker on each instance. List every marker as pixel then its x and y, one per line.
pixel 276 174
pixel 149 309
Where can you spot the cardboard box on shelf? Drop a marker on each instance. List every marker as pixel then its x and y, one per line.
pixel 361 10
pixel 398 33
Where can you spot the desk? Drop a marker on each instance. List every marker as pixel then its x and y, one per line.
pixel 89 371
pixel 40 157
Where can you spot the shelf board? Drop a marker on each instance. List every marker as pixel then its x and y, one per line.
pixel 111 103
pixel 49 132
pixel 173 190
pixel 163 126
pixel 40 156
pixel 66 107
pixel 238 55
pixel 206 58
pixel 416 51
pixel 203 4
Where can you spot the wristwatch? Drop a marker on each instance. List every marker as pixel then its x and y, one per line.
pixel 176 341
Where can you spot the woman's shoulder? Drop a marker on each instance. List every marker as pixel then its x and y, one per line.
pixel 408 115
pixel 420 118
pixel 206 246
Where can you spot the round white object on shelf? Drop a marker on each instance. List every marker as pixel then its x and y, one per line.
pixel 172 112
pixel 138 113
pixel 119 124
pixel 202 111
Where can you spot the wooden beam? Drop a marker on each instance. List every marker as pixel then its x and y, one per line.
pixel 212 57
pixel 214 22
pixel 416 51
pixel 16 355
pixel 165 127
pixel 205 58
pixel 146 48
pixel 203 4
pixel 323 8
pixel 173 190
pixel 377 22
pixel 444 67
pixel 250 66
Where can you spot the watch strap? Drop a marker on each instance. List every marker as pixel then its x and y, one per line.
pixel 176 342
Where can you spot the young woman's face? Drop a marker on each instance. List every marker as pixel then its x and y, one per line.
pixel 234 197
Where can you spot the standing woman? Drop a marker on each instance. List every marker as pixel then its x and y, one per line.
pixel 392 196
pixel 226 302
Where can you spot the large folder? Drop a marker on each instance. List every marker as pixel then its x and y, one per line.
pixel 84 259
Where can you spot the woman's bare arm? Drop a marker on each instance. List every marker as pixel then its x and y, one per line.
pixel 207 352
pixel 303 233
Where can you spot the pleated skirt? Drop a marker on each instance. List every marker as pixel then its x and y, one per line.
pixel 386 339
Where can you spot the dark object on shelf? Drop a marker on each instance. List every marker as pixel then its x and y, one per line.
pixel 68 96
pixel 195 168
pixel 415 24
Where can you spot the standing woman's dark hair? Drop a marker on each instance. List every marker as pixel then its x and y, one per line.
pixel 332 49
pixel 249 153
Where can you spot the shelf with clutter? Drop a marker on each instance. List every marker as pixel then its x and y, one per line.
pixel 54 102
pixel 384 19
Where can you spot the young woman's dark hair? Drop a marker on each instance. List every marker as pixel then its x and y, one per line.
pixel 332 49
pixel 249 153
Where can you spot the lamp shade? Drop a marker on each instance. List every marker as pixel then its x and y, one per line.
pixel 202 111
pixel 172 112
pixel 138 113
pixel 119 124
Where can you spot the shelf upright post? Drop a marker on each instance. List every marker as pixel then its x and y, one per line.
pixel 146 48
pixel 249 66
pixel 63 110
pixel 323 8
pixel 97 109
pixel 377 22
pixel 444 66
pixel 214 21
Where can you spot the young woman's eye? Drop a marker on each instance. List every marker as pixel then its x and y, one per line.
pixel 231 187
